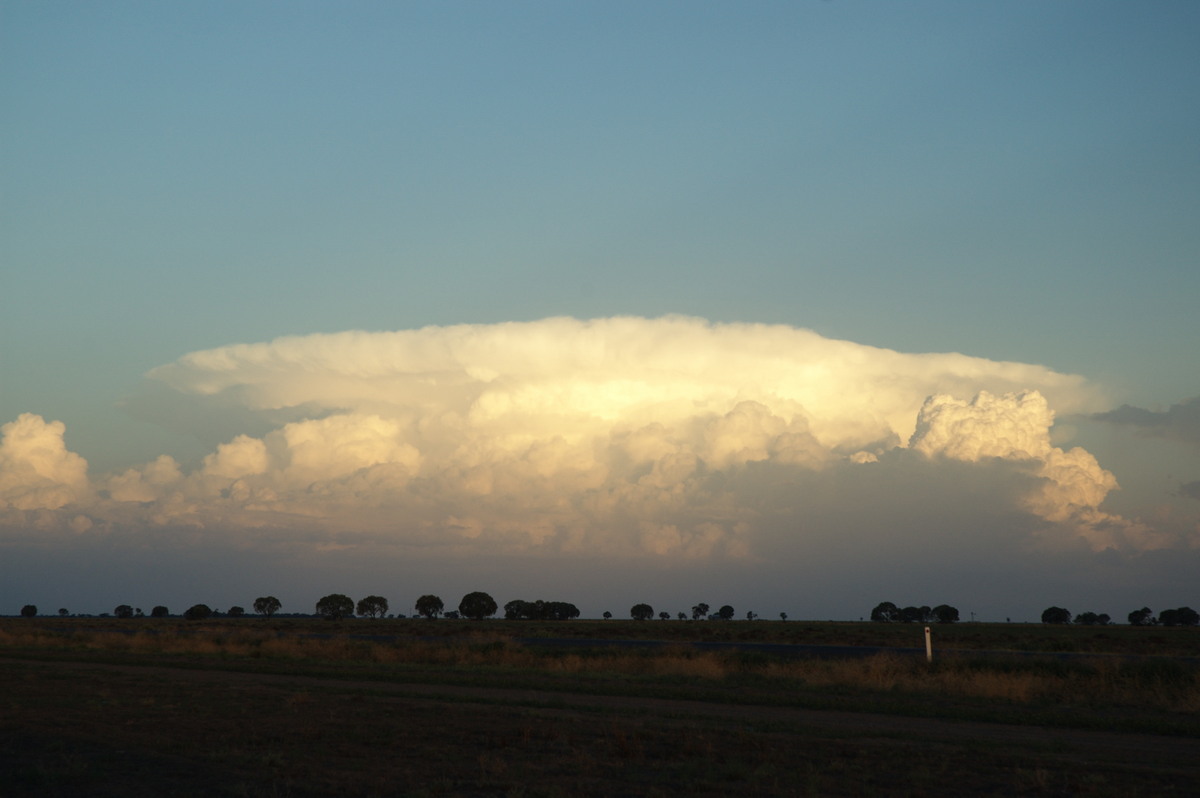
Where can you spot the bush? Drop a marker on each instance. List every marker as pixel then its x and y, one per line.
pixel 29 611
pixel 477 606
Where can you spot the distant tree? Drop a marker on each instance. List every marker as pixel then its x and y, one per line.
pixel 123 611
pixel 197 612
pixel 372 607
pixel 607 615
pixel 944 613
pixel 641 612
pixel 682 616
pixel 450 615
pixel 783 616
pixel 921 614
pixel 335 606
pixel 560 611
pixel 477 606
pixel 267 605
pixel 29 611
pixel 1087 619
pixel 885 612
pixel 699 611
pixel 516 610
pixel 236 612
pixel 1184 616
pixel 137 613
pixel 62 612
pixel 1057 615
pixel 1104 619
pixel 159 612
pixel 429 606
pixel 750 616
pixel 664 616
pixel 725 613
pixel 1142 617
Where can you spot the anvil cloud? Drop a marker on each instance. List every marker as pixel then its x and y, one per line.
pixel 620 436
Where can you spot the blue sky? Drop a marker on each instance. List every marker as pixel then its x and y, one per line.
pixel 1016 182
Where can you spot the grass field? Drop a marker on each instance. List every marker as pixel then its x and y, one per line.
pixel 411 707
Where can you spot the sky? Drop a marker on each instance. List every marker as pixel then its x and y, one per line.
pixel 793 306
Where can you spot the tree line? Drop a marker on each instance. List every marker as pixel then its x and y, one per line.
pixel 478 605
pixel 1181 616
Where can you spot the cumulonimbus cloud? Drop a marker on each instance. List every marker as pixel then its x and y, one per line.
pixel 611 435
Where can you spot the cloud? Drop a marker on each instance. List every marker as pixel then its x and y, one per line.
pixel 37 472
pixel 615 437
pixel 1180 422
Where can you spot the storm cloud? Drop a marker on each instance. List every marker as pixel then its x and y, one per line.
pixel 616 437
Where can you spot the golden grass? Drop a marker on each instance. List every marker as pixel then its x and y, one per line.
pixel 1167 685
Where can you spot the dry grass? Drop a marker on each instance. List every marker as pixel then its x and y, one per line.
pixel 1165 685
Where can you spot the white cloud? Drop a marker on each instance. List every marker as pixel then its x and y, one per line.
pixel 37 472
pixel 612 436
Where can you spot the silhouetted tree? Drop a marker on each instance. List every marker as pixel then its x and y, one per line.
pixel 944 613
pixel 750 616
pixel 1089 619
pixel 29 611
pixel 683 616
pixel 236 611
pixel 699 611
pixel 1142 617
pixel 123 611
pixel 372 607
pixel 1184 616
pixel 62 612
pixel 885 612
pixel 335 606
pixel 450 615
pixel 159 612
pixel 477 606
pixel 197 612
pixel 429 606
pixel 1057 615
pixel 267 605
pixel 783 616
pixel 607 615
pixel 725 613
pixel 664 616
pixel 641 612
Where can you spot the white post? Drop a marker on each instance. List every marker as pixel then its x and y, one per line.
pixel 928 646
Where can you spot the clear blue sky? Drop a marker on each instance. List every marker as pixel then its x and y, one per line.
pixel 1013 181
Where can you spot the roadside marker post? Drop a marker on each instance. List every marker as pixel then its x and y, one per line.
pixel 928 646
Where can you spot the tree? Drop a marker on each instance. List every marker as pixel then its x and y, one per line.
pixel 725 613
pixel 664 616
pixel 683 616
pixel 1087 619
pixel 372 607
pixel 885 612
pixel 267 605
pixel 750 616
pixel 1184 616
pixel 1057 615
pixel 29 611
pixel 429 606
pixel 944 613
pixel 123 611
pixel 159 612
pixel 477 606
pixel 335 606
pixel 641 612
pixel 236 611
pixel 1142 617
pixel 197 612
pixel 62 612
pixel 699 611
pixel 607 615
pixel 783 616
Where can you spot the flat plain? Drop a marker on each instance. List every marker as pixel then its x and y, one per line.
pixel 297 707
